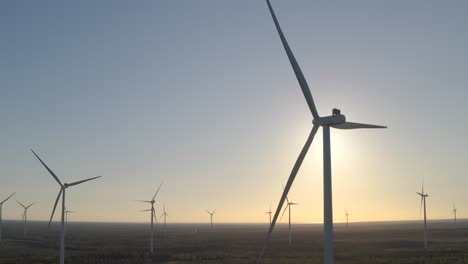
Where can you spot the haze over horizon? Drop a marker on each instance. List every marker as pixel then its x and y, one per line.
pixel 202 96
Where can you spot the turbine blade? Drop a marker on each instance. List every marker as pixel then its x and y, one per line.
pixel 30 205
pixel 297 70
pixel 154 196
pixel 7 198
pixel 294 171
pixel 145 210
pixel 213 211
pixel 55 205
pixel 143 201
pixel 283 212
pixel 21 204
pixel 79 182
pixel 47 168
pixel 351 125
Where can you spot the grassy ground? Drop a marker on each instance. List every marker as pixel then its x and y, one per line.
pixel 183 243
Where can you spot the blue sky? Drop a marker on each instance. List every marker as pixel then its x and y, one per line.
pixel 201 95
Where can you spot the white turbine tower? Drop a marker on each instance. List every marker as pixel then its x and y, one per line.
pixel 346 212
pixel 153 217
pixel 289 205
pixel 336 120
pixel 1 205
pixel 211 217
pixel 454 213
pixel 63 187
pixel 25 215
pixel 269 213
pixel 423 201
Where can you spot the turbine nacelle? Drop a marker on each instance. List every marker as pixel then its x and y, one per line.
pixel 335 119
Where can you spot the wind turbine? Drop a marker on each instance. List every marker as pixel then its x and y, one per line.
pixel 165 215
pixel 423 201
pixel 66 215
pixel 289 204
pixel 153 216
pixel 454 212
pixel 25 214
pixel 211 217
pixel 346 212
pixel 269 212
pixel 1 205
pixel 63 187
pixel 336 120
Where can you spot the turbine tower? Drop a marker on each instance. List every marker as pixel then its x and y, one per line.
pixel 63 187
pixel 269 212
pixel 346 212
pixel 153 216
pixel 1 205
pixel 25 215
pixel 289 205
pixel 454 212
pixel 423 201
pixel 211 217
pixel 336 120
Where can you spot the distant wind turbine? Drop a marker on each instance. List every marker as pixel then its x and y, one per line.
pixel 346 212
pixel 66 215
pixel 25 214
pixel 336 120
pixel 1 205
pixel 164 214
pixel 289 205
pixel 455 213
pixel 153 216
pixel 423 201
pixel 211 217
pixel 269 213
pixel 63 187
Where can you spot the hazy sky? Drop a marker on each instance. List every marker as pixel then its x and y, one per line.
pixel 201 94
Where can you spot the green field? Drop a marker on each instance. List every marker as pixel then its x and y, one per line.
pixel 380 243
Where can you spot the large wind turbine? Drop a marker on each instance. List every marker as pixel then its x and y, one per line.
pixel 153 216
pixel 454 212
pixel 336 120
pixel 423 201
pixel 211 217
pixel 25 215
pixel 269 213
pixel 1 205
pixel 63 187
pixel 289 205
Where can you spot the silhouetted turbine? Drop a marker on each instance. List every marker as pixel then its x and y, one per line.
pixel 336 120
pixel 153 216
pixel 25 215
pixel 211 217
pixel 423 201
pixel 63 187
pixel 1 205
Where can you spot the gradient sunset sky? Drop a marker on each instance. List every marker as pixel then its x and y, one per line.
pixel 200 94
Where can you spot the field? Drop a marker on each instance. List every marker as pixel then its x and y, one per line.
pixel 381 243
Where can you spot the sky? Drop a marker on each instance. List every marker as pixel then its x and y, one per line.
pixel 200 95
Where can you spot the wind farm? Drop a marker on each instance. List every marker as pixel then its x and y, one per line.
pixel 209 107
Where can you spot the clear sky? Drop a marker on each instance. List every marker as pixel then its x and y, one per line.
pixel 201 94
